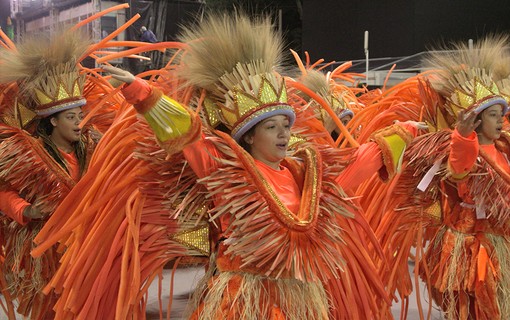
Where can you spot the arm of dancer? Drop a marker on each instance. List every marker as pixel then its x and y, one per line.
pixel 383 155
pixel 174 124
pixel 464 147
pixel 17 208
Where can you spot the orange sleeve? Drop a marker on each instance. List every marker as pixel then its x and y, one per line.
pixel 368 162
pixel 200 156
pixel 12 205
pixel 463 153
pixel 136 91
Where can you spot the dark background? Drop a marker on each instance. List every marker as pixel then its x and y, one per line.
pixel 4 12
pixel 334 29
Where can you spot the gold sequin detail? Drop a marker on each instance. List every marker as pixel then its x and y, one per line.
pixel 434 210
pixel 195 238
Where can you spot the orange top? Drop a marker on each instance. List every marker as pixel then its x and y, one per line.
pixel 12 205
pixel 72 164
pixel 464 151
pixel 283 183
pixel 499 157
pixel 463 154
pixel 201 157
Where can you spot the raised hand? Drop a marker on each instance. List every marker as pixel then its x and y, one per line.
pixel 119 74
pixel 467 123
pixel 32 212
pixel 418 125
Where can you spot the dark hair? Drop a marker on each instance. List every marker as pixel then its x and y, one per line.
pixel 334 135
pixel 44 131
pixel 479 117
pixel 246 146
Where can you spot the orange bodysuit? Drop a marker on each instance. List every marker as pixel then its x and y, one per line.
pixel 467 257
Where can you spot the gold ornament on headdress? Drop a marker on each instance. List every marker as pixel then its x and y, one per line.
pixel 236 59
pixel 246 105
pixel 481 89
pixel 47 72
pixel 470 78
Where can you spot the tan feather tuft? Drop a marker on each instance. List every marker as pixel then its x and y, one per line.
pixel 489 55
pixel 40 56
pixel 316 81
pixel 223 45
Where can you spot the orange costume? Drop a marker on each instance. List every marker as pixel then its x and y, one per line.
pixel 275 236
pixel 39 79
pixel 451 199
pixel 478 219
pixel 12 205
pixel 31 176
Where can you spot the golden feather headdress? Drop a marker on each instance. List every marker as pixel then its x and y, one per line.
pixel 472 78
pixel 46 70
pixel 236 59
pixel 326 88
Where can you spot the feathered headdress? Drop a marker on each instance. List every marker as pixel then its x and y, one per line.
pixel 236 60
pixel 326 88
pixel 472 78
pixel 46 71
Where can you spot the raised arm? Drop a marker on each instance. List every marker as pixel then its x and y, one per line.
pixel 174 125
pixel 464 146
pixel 383 155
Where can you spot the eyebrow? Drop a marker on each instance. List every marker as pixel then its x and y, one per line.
pixel 273 120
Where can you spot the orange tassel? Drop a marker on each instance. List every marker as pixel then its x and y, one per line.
pixel 483 259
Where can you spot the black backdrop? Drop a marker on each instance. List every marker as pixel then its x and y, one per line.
pixel 163 18
pixel 334 29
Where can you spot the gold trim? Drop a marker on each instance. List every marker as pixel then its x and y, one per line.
pixel 311 181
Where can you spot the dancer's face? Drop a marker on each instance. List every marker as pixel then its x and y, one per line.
pixel 269 140
pixel 491 125
pixel 66 124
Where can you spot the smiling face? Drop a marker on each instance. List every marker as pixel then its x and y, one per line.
pixel 269 140
pixel 491 125
pixel 66 125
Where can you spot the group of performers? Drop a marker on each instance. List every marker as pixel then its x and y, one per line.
pixel 303 196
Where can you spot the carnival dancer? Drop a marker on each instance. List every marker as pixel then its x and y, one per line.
pixel 273 220
pixel 43 153
pixel 321 103
pixel 451 200
pixel 312 89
